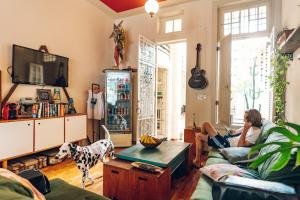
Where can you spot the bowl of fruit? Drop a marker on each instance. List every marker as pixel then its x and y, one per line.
pixel 151 142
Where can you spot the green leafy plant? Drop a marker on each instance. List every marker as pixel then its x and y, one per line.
pixel 280 64
pixel 284 148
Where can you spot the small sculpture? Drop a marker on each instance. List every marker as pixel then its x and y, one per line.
pixel 71 106
pixel 119 38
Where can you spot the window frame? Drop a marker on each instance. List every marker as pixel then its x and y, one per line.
pixel 173 18
pixel 240 7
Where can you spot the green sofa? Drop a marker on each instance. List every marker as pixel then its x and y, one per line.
pixel 60 190
pixel 287 175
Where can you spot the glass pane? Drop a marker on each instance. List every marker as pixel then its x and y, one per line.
pixel 235 16
pixel 118 101
pixel 262 24
pixel 169 26
pixel 177 25
pixel 235 28
pixel 253 13
pixel 253 26
pixel 263 12
pixel 244 21
pixel 250 85
pixel 227 18
pixel 227 29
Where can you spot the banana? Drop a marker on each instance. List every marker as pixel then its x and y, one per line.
pixel 147 139
pixel 152 141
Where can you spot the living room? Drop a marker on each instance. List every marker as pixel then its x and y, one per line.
pixel 138 79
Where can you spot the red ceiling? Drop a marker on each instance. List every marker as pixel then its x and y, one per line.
pixel 123 5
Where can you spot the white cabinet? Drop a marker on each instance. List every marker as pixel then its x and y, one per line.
pixel 75 128
pixel 23 137
pixel 49 133
pixel 16 138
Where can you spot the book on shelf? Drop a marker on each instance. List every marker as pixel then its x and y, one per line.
pixel 46 109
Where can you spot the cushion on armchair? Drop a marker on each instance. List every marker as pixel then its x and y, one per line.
pixel 62 190
pixel 11 189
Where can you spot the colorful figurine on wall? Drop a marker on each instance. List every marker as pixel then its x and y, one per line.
pixel 119 38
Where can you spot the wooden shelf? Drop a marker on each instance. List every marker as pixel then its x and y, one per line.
pixel 292 43
pixel 30 118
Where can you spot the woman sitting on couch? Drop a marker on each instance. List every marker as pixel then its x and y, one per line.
pixel 243 137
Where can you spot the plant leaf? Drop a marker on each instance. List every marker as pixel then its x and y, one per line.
pixel 285 132
pixel 283 160
pixel 294 126
pixel 298 158
pixel 261 159
pixel 260 146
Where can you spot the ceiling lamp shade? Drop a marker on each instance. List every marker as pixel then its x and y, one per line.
pixel 151 7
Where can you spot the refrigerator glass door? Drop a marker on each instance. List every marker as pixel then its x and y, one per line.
pixel 118 101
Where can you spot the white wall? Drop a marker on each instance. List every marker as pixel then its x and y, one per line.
pixel 291 19
pixel 199 25
pixel 72 28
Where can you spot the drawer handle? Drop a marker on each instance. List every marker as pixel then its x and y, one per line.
pixel 39 123
pixel 28 124
pixel 114 172
pixel 143 179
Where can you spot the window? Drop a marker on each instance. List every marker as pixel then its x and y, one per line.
pixel 242 21
pixel 243 73
pixel 250 84
pixel 174 25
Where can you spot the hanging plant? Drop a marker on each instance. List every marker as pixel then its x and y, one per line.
pixel 280 64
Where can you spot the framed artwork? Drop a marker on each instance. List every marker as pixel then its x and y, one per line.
pixel 43 94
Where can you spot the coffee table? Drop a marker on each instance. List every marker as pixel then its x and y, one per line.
pixel 168 154
pixel 122 181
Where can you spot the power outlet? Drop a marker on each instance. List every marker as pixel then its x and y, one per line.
pixel 201 97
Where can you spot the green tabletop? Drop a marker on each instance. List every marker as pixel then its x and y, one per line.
pixel 168 153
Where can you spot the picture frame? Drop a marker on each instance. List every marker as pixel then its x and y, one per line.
pixel 44 95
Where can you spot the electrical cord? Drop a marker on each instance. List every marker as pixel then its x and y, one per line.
pixel 9 72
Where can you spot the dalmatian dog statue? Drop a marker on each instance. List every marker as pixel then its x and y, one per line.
pixel 88 156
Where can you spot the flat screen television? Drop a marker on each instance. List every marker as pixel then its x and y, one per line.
pixel 35 67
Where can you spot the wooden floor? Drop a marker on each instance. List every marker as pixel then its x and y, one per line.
pixel 182 188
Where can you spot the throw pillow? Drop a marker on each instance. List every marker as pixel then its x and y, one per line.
pixel 217 171
pixel 235 154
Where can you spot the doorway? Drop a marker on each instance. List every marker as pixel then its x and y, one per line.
pixel 171 90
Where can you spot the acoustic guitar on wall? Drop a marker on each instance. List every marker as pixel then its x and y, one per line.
pixel 198 80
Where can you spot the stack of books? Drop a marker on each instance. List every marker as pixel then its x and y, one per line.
pixel 46 109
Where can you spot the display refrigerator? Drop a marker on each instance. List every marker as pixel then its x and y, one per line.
pixel 118 106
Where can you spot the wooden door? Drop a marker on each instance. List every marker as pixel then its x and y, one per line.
pixel 148 186
pixel 144 186
pixel 75 128
pixel 225 81
pixel 116 183
pixel 16 138
pixel 49 133
pixel 146 87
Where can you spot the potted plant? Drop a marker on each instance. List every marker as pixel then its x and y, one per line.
pixel 285 149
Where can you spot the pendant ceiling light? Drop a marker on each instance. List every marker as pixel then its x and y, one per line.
pixel 151 7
